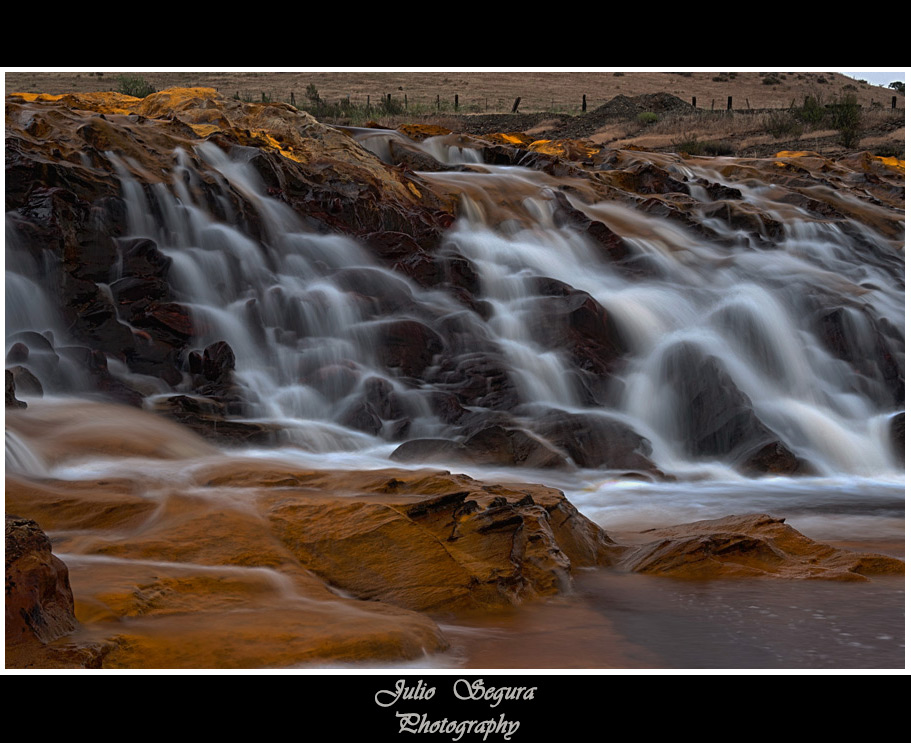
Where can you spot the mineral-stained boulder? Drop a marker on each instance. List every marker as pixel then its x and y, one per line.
pixel 39 602
pixel 757 546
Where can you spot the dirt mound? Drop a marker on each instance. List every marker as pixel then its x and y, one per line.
pixel 623 106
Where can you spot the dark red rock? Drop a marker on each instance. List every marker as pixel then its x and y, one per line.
pixel 407 345
pixel 39 601
pixel 218 362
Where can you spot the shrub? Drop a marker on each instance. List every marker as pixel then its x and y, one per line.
pixel 845 115
pixel 783 124
pixel 898 85
pixel 647 117
pixel 699 147
pixel 133 85
pixel 312 93
pixel 812 111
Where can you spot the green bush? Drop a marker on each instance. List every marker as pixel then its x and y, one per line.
pixel 136 86
pixel 647 118
pixel 845 115
pixel 812 112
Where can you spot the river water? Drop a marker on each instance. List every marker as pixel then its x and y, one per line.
pixel 751 303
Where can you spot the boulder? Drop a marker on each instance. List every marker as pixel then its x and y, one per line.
pixel 39 601
pixel 754 545
pixel 597 442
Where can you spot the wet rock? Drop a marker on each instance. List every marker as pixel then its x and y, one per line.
pixel 334 381
pixel 407 345
pixel 478 379
pixel 871 348
pixel 430 450
pixel 897 436
pixel 413 158
pixel 464 547
pixel 95 364
pixel 17 354
pixel 596 441
pixel 572 320
pixel 613 247
pixel 11 400
pixel 745 218
pixel 361 416
pixel 382 397
pixel 218 362
pixel 774 458
pixel 757 546
pixel 208 417
pixel 39 601
pixel 26 382
pixel 715 419
pixel 497 445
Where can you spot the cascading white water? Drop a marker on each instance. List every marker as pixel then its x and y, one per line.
pixel 308 339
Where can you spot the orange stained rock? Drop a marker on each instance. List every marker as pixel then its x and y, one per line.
pixel 571 148
pixel 515 138
pixel 797 153
pixel 420 132
pixel 107 102
pixel 892 163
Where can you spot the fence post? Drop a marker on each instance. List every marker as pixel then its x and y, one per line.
pixel 713 105
pixel 694 101
pixel 406 101
pixel 292 99
pixel 388 100
pixel 894 100
pixel 456 102
pixel 730 102
pixel 438 101
pixel 584 103
pixel 515 106
pixel 368 102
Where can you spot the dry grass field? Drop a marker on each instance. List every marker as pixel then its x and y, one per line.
pixel 485 92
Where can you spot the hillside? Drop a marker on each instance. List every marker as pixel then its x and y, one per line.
pixel 481 92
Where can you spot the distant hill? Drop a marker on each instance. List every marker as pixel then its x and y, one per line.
pixel 490 92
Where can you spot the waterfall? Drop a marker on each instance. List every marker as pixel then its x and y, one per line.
pixel 790 326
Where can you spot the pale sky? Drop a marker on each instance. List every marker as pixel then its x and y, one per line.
pixel 876 77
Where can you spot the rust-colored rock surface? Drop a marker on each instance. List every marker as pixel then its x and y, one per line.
pixel 39 602
pixel 197 559
pixel 756 546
